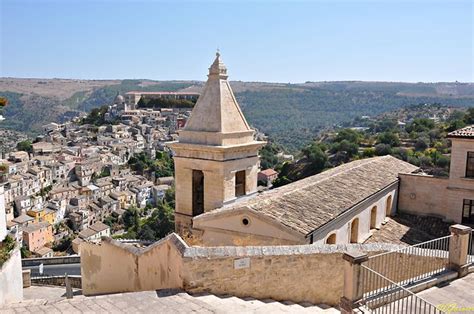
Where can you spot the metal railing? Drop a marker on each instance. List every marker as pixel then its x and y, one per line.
pixel 414 263
pixel 382 295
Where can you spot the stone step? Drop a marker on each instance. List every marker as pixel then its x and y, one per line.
pixel 232 304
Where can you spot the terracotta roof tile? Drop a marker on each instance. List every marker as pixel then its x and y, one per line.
pixel 467 132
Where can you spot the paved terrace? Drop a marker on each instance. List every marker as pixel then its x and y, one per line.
pixel 52 300
pixel 458 293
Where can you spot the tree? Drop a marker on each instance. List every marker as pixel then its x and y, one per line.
pixel 146 233
pixel 469 117
pixel 346 147
pixel 316 156
pixel 442 161
pixel 455 125
pixel 421 144
pixel 268 156
pixel 420 125
pixel 400 153
pixel 389 138
pixel 281 181
pixel 382 149
pixel 169 197
pixel 25 146
pixel 349 135
pixel 369 152
pixel 129 217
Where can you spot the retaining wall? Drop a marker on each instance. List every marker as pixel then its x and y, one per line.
pixel 298 273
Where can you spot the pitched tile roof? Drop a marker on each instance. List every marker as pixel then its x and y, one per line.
pixel 308 204
pixel 467 132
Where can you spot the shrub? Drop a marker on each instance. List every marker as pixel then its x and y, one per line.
pixel 6 246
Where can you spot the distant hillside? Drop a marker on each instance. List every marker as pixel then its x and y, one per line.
pixel 291 114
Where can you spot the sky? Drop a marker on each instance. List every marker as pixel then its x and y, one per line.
pixel 271 41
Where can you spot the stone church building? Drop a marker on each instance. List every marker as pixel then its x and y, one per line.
pixel 216 167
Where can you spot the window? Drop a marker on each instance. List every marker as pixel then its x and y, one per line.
pixel 198 192
pixel 240 183
pixel 468 212
pixel 470 165
pixel 245 221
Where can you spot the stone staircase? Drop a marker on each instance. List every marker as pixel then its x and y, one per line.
pixel 164 301
pixel 231 304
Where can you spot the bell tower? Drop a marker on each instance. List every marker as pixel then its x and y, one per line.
pixel 216 158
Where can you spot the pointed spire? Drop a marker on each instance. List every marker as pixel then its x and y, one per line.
pixel 218 68
pixel 216 111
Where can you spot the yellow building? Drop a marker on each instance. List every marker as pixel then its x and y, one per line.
pixel 42 214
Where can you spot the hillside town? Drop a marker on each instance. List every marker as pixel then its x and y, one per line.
pixel 321 162
pixel 75 175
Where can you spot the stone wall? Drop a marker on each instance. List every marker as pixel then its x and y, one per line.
pixel 75 281
pixel 11 282
pixel 297 273
pixel 423 195
pixel 315 277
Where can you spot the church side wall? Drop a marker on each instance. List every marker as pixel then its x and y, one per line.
pixel 342 227
pixel 423 195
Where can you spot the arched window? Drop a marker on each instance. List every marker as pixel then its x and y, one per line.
pixel 373 218
pixel 331 239
pixel 355 230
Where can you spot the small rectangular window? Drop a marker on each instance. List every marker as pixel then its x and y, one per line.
pixel 470 165
pixel 468 211
pixel 240 183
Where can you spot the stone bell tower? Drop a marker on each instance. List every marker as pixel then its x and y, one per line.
pixel 216 158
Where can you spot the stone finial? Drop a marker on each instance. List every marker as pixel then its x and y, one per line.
pixel 218 68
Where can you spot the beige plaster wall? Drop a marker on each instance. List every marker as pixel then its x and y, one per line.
pixel 11 279
pixel 423 195
pixel 112 267
pixel 228 229
pixel 160 268
pixel 107 268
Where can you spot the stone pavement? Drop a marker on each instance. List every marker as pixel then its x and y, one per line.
pixel 165 301
pixel 459 292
